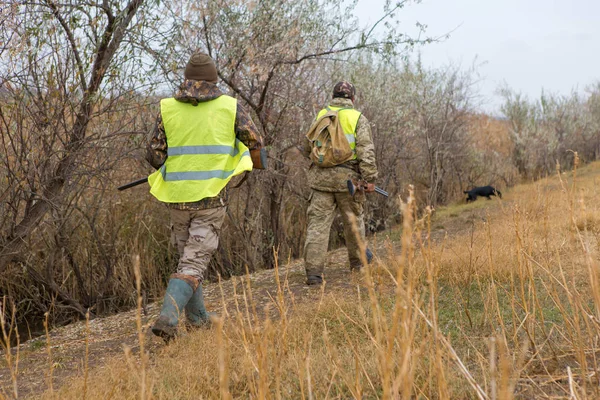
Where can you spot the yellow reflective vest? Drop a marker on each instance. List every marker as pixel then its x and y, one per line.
pixel 203 153
pixel 348 120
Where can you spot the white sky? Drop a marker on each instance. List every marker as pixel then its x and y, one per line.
pixel 528 44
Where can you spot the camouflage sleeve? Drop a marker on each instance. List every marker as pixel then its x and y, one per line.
pixel 245 130
pixel 306 147
pixel 156 147
pixel 306 144
pixel 365 150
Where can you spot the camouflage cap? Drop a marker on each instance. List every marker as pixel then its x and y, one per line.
pixel 344 89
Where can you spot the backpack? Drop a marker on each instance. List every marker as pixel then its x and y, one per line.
pixel 329 146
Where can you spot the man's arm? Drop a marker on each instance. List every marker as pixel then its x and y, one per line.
pixel 156 146
pixel 245 130
pixel 365 150
pixel 247 133
pixel 306 147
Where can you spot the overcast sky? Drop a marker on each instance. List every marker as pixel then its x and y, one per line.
pixel 528 44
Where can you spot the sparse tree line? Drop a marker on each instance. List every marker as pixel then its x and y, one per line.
pixel 79 89
pixel 547 131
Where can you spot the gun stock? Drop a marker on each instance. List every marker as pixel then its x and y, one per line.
pixel 132 184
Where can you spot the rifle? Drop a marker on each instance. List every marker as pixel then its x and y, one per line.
pixel 144 180
pixel 132 184
pixel 354 186
pixel 259 160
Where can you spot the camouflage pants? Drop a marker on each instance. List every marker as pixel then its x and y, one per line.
pixel 196 235
pixel 321 212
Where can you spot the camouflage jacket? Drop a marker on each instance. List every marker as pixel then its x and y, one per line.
pixel 194 92
pixel 334 179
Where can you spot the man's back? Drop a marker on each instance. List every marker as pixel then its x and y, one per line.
pixel 362 166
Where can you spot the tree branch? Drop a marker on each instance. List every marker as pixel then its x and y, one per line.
pixel 71 40
pixel 53 187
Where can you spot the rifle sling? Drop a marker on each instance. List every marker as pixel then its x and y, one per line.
pixel 237 185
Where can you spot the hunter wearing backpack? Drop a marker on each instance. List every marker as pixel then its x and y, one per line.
pixel 340 146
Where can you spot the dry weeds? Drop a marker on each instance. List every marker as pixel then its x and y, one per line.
pixel 507 308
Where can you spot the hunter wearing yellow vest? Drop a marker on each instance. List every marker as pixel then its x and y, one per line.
pixel 212 158
pixel 202 139
pixel 330 190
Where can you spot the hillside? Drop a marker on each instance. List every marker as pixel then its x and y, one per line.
pixel 495 299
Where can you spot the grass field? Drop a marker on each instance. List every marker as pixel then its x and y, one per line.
pixel 493 300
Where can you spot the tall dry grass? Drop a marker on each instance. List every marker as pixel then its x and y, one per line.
pixel 508 307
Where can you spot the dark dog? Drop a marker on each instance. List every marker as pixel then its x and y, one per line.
pixel 485 191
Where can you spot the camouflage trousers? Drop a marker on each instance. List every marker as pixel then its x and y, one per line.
pixel 196 235
pixel 321 212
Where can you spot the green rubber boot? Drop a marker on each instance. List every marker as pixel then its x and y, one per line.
pixel 178 294
pixel 195 311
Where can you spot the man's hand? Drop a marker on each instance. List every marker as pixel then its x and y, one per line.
pixel 364 186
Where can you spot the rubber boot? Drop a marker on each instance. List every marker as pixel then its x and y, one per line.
pixel 195 311
pixel 178 294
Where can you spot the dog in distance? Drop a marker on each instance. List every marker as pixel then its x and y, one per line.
pixel 483 191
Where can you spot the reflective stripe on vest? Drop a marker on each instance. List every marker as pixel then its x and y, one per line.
pixel 348 120
pixel 203 152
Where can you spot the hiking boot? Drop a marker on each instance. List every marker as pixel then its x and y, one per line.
pixel 195 311
pixel 358 265
pixel 178 294
pixel 314 280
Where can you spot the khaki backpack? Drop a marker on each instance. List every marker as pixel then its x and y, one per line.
pixel 329 146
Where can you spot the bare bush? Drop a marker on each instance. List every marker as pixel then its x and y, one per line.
pixel 547 131
pixel 71 106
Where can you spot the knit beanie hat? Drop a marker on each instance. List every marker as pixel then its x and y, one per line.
pixel 201 67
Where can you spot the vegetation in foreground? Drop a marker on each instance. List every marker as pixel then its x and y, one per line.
pixel 507 309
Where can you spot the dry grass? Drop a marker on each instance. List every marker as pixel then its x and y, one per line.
pixel 507 308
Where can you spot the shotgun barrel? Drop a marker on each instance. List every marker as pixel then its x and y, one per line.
pixel 353 187
pixel 381 191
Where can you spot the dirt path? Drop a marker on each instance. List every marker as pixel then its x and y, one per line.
pixel 107 337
